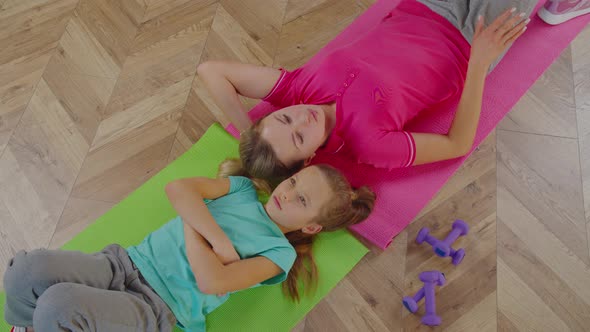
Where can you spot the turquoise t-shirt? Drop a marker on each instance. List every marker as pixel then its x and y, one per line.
pixel 161 256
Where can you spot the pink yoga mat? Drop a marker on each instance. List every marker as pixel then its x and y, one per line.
pixel 402 193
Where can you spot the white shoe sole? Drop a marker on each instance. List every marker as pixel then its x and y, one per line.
pixel 553 19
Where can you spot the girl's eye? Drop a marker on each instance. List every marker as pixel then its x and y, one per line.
pixel 300 138
pixel 287 118
pixel 292 182
pixel 302 199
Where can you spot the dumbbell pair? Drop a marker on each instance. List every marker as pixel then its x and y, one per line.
pixel 436 278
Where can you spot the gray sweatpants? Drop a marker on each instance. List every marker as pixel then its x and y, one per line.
pixel 463 13
pixel 55 290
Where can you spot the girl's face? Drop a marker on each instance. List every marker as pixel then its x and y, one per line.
pixel 295 132
pixel 298 200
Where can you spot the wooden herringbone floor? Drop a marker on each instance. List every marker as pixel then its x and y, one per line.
pixel 96 96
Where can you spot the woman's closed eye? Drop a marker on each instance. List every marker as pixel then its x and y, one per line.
pixel 299 137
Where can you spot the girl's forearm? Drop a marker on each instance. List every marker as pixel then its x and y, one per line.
pixel 189 205
pixel 466 120
pixel 204 263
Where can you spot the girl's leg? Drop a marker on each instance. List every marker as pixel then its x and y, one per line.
pixel 80 308
pixel 29 274
pixel 463 13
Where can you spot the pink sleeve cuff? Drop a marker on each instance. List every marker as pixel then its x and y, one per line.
pixel 412 148
pixel 277 84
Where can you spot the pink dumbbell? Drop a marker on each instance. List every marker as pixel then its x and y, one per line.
pixel 443 248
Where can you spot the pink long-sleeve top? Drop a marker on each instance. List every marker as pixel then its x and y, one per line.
pixel 411 61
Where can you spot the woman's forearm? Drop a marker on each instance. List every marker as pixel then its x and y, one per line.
pixel 464 127
pixel 226 97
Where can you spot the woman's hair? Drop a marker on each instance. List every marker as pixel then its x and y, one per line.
pixel 347 207
pixel 233 167
pixel 260 160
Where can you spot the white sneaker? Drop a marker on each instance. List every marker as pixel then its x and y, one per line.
pixel 18 329
pixel 558 11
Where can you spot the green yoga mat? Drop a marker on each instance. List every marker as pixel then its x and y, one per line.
pixel 147 208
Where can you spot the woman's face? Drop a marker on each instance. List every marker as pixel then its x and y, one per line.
pixel 295 132
pixel 298 200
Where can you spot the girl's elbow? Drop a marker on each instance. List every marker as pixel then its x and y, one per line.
pixel 209 287
pixel 206 289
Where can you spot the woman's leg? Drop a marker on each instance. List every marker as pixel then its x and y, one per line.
pixel 80 308
pixel 463 13
pixel 29 274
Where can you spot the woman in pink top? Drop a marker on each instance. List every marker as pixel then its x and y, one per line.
pixel 357 99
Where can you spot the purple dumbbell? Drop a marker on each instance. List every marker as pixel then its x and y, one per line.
pixel 429 278
pixel 443 248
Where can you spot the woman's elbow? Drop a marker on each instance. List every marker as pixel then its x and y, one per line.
pixel 464 149
pixel 208 67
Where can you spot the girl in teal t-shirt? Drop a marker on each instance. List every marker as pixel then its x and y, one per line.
pixel 223 240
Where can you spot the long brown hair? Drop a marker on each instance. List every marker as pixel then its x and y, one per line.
pixel 347 207
pixel 259 159
pixel 233 167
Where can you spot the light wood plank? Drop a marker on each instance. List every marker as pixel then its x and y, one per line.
pixel 581 65
pixel 544 173
pixel 297 8
pixel 304 36
pixel 77 215
pixel 532 316
pixel 262 20
pixel 114 168
pixel 18 79
pixel 12 236
pixel 80 52
pixel 84 98
pixel 481 161
pixel 540 240
pixel 199 114
pixel 237 40
pixel 476 205
pixel 547 284
pixel 379 279
pixel 29 32
pixel 481 318
pixel 323 318
pixel 357 314
pixel 155 8
pixel 32 220
pixel 63 140
pixel 112 24
pixel 454 299
pixel 27 26
pixel 366 3
pixel 548 107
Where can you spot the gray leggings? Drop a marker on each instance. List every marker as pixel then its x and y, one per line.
pixel 54 290
pixel 463 13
